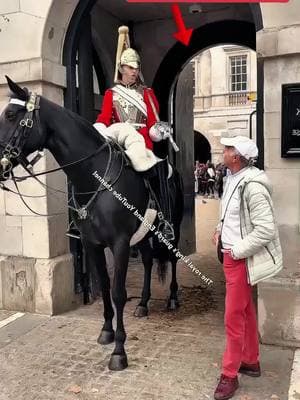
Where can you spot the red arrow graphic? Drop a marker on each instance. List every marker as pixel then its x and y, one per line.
pixel 183 34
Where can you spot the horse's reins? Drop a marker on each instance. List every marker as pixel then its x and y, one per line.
pixel 13 150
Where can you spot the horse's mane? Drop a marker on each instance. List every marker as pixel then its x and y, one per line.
pixel 80 121
pixel 84 123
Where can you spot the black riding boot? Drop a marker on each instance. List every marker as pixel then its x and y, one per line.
pixel 158 179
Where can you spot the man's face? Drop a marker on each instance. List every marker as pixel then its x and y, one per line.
pixel 229 156
pixel 129 74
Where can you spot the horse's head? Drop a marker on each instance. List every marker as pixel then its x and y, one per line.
pixel 21 131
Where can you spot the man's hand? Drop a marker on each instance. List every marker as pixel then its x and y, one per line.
pixel 215 238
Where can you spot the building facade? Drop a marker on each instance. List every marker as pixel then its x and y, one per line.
pixel 225 94
pixel 36 268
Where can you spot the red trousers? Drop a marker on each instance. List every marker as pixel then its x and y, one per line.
pixel 240 318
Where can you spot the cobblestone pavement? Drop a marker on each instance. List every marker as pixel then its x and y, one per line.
pixel 172 356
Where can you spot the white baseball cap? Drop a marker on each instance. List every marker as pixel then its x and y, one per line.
pixel 245 146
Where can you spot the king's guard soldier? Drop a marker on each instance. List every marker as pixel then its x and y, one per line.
pixel 130 101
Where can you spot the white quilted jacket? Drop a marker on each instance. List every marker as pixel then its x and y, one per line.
pixel 260 243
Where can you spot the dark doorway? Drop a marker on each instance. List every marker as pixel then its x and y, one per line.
pixel 87 51
pixel 81 61
pixel 202 149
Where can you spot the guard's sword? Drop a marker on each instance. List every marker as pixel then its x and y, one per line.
pixel 174 145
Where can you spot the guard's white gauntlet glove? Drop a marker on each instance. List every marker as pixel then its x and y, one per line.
pixel 160 131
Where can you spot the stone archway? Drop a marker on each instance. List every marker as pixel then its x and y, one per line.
pixel 202 148
pixel 174 69
pixel 56 26
pixel 62 31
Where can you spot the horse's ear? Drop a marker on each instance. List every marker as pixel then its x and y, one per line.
pixel 21 94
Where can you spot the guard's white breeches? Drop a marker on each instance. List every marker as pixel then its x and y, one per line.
pixel 133 142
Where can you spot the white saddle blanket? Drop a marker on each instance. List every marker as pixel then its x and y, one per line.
pixel 146 224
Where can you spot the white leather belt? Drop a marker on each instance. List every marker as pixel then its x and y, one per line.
pixel 137 125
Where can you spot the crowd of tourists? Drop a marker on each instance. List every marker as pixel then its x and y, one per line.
pixel 209 179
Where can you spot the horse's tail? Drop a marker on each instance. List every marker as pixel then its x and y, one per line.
pixel 161 251
pixel 161 256
pixel 162 268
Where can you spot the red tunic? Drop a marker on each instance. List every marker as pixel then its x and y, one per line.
pixel 109 116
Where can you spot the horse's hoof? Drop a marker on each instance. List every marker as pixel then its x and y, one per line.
pixel 106 337
pixel 141 311
pixel 118 362
pixel 173 304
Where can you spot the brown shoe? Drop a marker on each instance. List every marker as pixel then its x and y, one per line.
pixel 250 369
pixel 226 387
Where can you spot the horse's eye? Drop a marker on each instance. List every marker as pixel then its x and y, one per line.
pixel 10 115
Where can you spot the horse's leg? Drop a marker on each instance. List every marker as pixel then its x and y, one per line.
pixel 118 360
pixel 173 302
pixel 107 334
pixel 96 265
pixel 146 251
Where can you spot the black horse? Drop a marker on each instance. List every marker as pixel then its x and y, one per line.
pixel 30 123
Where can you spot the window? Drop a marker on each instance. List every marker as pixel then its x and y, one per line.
pixel 238 73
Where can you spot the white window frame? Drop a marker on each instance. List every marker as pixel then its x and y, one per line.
pixel 238 58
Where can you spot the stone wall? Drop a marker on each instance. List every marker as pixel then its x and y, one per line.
pixel 278 46
pixel 36 270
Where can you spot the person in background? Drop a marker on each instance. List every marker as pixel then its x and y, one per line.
pixel 211 175
pixel 219 181
pixel 197 176
pixel 203 180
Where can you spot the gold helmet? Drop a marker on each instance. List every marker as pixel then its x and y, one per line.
pixel 130 57
pixel 125 54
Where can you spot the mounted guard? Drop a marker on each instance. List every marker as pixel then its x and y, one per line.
pixel 31 122
pixel 129 115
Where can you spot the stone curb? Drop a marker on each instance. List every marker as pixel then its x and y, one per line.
pixel 294 391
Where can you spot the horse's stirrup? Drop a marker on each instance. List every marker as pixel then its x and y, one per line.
pixel 167 230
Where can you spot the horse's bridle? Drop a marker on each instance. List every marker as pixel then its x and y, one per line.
pixel 13 149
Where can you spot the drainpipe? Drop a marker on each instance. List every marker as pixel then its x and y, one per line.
pixel 250 124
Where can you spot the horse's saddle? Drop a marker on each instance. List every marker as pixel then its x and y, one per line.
pixel 117 148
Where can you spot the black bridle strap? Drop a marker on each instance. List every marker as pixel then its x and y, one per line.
pixel 23 201
pixel 14 147
pixel 34 160
pixel 100 189
pixel 50 171
pixel 20 135
pixel 17 141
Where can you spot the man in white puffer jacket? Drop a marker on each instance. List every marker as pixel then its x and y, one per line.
pixel 252 253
